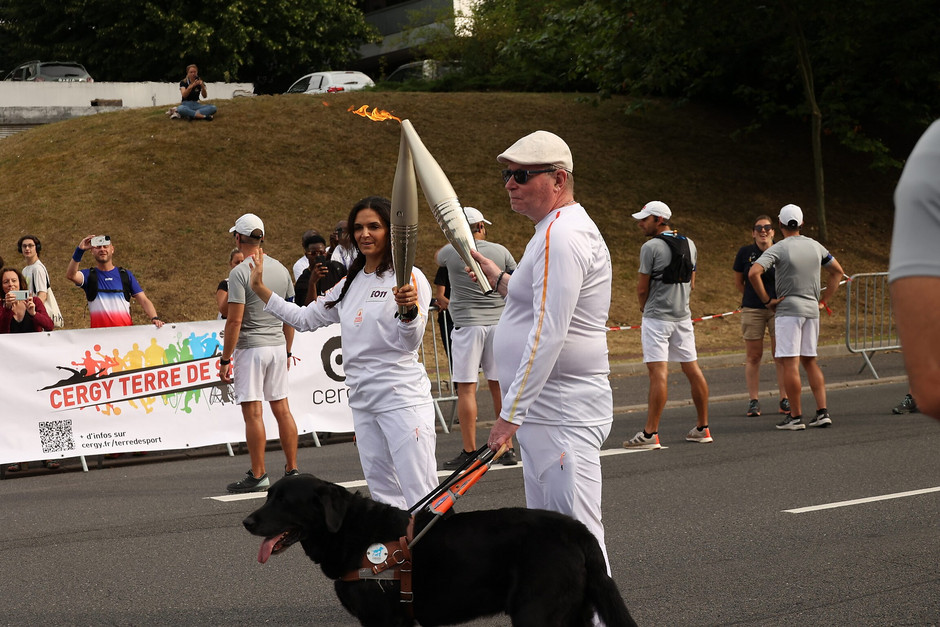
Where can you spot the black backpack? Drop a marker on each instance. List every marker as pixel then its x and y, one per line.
pixel 91 285
pixel 680 266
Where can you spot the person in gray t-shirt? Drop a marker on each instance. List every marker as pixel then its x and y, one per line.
pixel 796 260
pixel 261 345
pixel 475 315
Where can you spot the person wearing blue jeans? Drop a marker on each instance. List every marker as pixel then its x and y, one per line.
pixel 191 88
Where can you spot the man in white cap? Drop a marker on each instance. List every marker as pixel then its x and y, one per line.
pixel 666 332
pixel 260 346
pixel 796 260
pixel 551 341
pixel 475 315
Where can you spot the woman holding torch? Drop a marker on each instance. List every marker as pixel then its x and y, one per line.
pixel 389 391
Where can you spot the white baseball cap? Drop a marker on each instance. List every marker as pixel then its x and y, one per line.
pixel 538 148
pixel 474 216
pixel 653 208
pixel 791 216
pixel 247 225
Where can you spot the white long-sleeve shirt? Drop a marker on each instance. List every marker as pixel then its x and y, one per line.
pixel 380 352
pixel 551 341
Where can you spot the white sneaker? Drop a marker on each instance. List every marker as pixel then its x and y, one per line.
pixel 640 441
pixel 703 437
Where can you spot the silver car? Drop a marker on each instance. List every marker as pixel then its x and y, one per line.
pixel 57 71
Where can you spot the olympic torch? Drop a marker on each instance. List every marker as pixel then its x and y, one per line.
pixel 404 218
pixel 441 198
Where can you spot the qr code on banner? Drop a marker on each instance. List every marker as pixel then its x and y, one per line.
pixel 56 435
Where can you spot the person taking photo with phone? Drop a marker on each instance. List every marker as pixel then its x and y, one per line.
pixel 191 88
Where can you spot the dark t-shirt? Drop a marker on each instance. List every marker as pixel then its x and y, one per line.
pixel 335 272
pixel 743 261
pixel 194 94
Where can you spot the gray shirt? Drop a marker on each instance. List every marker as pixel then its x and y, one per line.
pixel 797 260
pixel 469 307
pixel 666 301
pixel 259 328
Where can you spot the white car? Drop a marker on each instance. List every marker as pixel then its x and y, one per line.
pixel 330 82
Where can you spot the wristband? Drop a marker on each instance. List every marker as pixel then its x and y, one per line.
pixel 224 362
pixel 289 353
pixel 155 318
pixel 410 315
pixel 498 279
pixel 768 302
pixel 78 254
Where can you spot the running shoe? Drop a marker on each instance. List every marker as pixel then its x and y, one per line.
pixel 250 484
pixel 791 423
pixel 508 458
pixel 703 437
pixel 753 408
pixel 906 406
pixel 640 441
pixel 821 419
pixel 784 406
pixel 458 461
pixel 292 473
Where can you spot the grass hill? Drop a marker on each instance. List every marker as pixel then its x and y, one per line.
pixel 168 191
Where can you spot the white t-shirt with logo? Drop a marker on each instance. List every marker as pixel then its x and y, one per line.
pixel 380 352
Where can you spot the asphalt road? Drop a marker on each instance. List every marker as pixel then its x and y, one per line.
pixel 697 534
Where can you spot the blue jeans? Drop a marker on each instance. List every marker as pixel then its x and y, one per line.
pixel 189 109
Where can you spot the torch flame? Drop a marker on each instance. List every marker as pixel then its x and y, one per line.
pixel 376 115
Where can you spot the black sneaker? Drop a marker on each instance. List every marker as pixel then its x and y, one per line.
pixel 792 423
pixel 784 406
pixel 753 408
pixel 458 461
pixel 508 458
pixel 250 484
pixel 906 406
pixel 292 473
pixel 821 419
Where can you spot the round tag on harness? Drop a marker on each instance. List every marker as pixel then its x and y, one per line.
pixel 377 553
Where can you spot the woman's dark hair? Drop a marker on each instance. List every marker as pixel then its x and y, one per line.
pixel 19 275
pixel 383 207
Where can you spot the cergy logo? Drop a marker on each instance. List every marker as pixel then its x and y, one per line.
pixel 332 357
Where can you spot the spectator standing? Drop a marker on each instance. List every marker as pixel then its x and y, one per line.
pixel 475 315
pixel 336 236
pixel 22 315
pixel 756 319
pixel 191 89
pixel 37 276
pixel 444 322
pixel 666 333
pixel 389 390
pixel 914 271
pixel 260 346
pixel 221 292
pixel 551 340
pixel 302 264
pixel 110 291
pixel 797 260
pixel 344 249
pixel 321 274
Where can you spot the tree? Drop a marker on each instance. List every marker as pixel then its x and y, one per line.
pixel 268 43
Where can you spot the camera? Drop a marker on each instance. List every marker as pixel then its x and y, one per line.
pixel 20 294
pixel 101 240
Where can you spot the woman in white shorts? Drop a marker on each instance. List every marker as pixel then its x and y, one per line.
pixel 389 390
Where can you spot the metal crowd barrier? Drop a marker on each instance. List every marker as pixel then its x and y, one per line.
pixel 869 320
pixel 442 387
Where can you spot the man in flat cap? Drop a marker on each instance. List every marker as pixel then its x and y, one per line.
pixel 260 345
pixel 551 340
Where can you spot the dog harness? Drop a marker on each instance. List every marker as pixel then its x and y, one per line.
pixel 389 561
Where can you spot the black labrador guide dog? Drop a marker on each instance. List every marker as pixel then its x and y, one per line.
pixel 539 567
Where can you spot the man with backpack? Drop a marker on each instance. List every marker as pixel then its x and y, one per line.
pixel 108 288
pixel 666 280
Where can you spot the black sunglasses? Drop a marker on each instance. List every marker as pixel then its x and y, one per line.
pixel 763 227
pixel 522 176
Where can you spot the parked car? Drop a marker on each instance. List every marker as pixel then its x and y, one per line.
pixel 330 82
pixel 57 71
pixel 427 70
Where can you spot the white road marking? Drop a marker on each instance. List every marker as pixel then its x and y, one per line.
pixel 361 483
pixel 870 499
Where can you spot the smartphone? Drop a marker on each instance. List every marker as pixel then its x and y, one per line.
pixel 20 294
pixel 101 240
pixel 321 259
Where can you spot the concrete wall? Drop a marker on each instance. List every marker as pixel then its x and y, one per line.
pixel 34 103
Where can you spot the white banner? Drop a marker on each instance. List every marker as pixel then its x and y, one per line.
pixel 129 389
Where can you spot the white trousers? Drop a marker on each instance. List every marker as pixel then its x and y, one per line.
pixel 396 450
pixel 561 466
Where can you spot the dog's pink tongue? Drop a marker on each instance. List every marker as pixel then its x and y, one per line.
pixel 266 547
